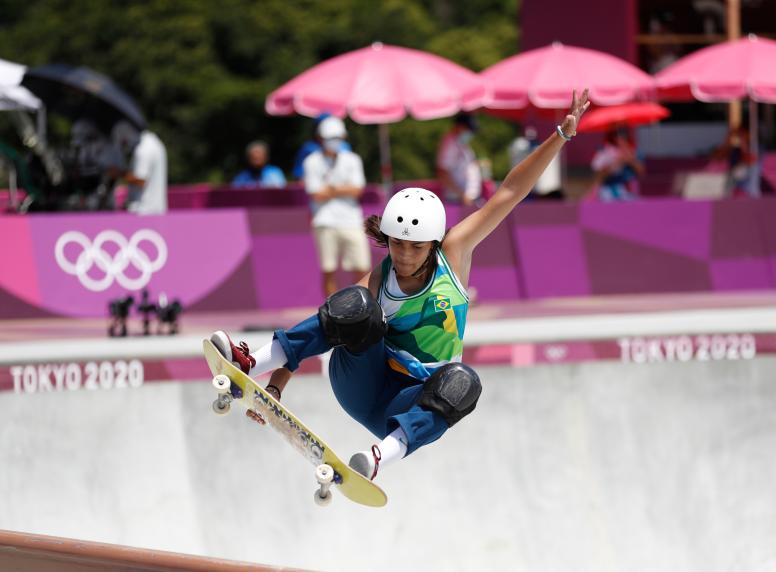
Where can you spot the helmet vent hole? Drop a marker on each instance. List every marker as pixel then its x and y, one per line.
pixel 406 196
pixel 421 198
pixel 415 221
pixel 400 219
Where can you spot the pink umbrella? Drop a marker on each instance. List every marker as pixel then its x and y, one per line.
pixel 725 72
pixel 545 78
pixel 381 84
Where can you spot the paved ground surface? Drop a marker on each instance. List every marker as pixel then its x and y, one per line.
pixel 588 467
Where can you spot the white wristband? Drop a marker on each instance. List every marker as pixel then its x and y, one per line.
pixel 560 132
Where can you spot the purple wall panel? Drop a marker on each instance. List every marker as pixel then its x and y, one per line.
pixel 544 213
pixel 82 261
pixel 492 283
pixel 552 261
pixel 765 215
pixel 741 274
pixel 626 267
pixel 680 227
pixel 738 230
pixel 236 292
pixel 286 272
pixel 265 258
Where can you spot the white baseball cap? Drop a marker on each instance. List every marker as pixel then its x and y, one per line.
pixel 332 128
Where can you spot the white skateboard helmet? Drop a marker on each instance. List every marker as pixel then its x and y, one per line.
pixel 414 214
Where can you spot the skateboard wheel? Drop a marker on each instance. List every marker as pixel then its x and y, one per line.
pixel 322 501
pixel 324 474
pixel 221 407
pixel 222 383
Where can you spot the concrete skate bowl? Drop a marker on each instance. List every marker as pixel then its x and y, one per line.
pixel 599 467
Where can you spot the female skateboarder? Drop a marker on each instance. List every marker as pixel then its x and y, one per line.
pixel 398 334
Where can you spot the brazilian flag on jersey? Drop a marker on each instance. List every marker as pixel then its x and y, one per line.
pixel 425 330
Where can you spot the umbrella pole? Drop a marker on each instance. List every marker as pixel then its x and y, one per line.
pixel 754 144
pixel 386 171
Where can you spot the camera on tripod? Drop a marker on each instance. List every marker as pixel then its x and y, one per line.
pixel 119 312
pixel 166 313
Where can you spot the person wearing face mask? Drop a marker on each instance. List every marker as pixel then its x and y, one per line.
pixel 334 181
pixel 457 168
pixel 310 146
pixel 397 335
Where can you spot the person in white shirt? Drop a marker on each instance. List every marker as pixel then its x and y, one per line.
pixel 334 180
pixel 457 166
pixel 550 183
pixel 147 173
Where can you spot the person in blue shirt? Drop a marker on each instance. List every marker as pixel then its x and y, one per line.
pixel 259 173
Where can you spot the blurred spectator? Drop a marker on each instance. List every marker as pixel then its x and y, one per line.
pixel 334 180
pixel 92 173
pixel 259 171
pixel 617 167
pixel 310 146
pixel 741 167
pixel 146 176
pixel 549 186
pixel 457 168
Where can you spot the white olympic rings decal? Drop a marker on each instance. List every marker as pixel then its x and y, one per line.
pixel 129 252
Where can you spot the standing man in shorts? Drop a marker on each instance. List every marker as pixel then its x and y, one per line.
pixel 334 181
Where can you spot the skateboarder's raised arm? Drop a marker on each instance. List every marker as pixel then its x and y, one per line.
pixel 462 239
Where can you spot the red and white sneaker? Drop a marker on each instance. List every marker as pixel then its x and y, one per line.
pixel 366 462
pixel 239 355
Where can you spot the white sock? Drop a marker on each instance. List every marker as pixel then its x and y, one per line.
pixel 268 357
pixel 393 447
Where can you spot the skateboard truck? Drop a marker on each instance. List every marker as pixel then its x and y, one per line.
pixel 227 392
pixel 324 474
pixel 224 401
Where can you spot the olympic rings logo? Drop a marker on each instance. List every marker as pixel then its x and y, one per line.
pixel 111 267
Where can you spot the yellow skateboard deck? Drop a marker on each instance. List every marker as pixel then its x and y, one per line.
pixel 261 406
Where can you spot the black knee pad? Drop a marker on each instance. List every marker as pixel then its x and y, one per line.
pixel 353 318
pixel 452 391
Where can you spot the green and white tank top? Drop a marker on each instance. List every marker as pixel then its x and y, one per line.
pixel 425 330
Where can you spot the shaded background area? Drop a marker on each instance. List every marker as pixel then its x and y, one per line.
pixel 200 71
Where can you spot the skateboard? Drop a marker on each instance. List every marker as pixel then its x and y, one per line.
pixel 233 386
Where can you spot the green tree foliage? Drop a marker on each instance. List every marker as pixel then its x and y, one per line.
pixel 201 70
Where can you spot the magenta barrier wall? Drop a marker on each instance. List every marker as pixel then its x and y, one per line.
pixel 201 196
pixel 231 259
